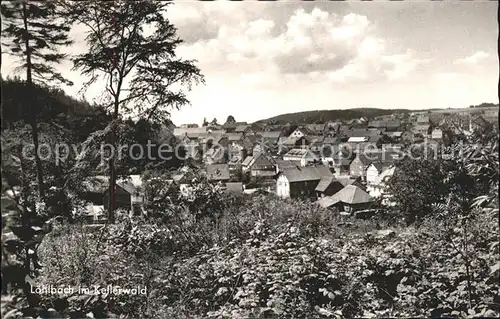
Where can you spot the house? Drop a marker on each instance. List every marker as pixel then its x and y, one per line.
pixel 392 125
pixel 375 169
pixel 350 199
pixel 358 139
pixel 376 124
pixel 342 162
pixel 192 132
pixel 282 165
pixel 129 192
pixel 244 129
pixel 301 131
pixel 232 126
pixel 218 172
pixel 396 135
pixel 260 166
pixel 193 125
pixel 268 139
pixel 317 129
pixel 359 164
pixel 326 154
pixel 301 155
pixel 327 186
pixel 422 129
pixel 349 180
pixel 300 181
pixel 330 140
pixel 95 214
pixel 234 188
pixel 377 187
pixel 315 142
pixel 287 143
pixel 423 119
pixel 216 155
pixel 437 133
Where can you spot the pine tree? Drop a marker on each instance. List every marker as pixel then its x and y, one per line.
pixel 34 32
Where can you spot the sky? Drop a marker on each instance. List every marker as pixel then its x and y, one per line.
pixel 262 59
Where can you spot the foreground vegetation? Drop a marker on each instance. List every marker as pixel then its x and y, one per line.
pixel 210 254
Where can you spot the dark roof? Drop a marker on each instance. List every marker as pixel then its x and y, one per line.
pixel 346 180
pixel 218 172
pixel 350 194
pixel 241 128
pixel 270 134
pixel 362 132
pixel 331 140
pixel 299 153
pixel 315 127
pixel 261 161
pixel 282 164
pixel 308 173
pixel 324 183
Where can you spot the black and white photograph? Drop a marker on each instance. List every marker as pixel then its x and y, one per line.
pixel 250 159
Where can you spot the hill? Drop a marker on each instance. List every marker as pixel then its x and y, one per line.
pixel 321 116
pixel 329 115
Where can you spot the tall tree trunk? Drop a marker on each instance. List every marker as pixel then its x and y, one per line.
pixel 112 172
pixel 31 106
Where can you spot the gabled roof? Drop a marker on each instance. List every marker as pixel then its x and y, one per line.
pixel 341 160
pixel 362 132
pixel 315 140
pixel 190 131
pixel 315 127
pixel 308 173
pixel 218 172
pixel 234 187
pixel 241 128
pixel 282 164
pixel 100 183
pixel 347 180
pixel 234 136
pixel 270 134
pixel 349 195
pixel 324 183
pixel 291 140
pixel 305 130
pixel 299 153
pixel 384 176
pixel 261 161
pixel 247 160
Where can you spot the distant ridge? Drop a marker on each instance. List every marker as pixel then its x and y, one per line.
pixel 330 115
pixel 321 116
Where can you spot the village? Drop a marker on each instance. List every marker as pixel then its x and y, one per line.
pixel 342 165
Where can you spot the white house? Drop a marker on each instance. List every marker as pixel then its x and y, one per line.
pixel 377 188
pixel 300 181
pixel 299 132
pixel 374 170
pixel 304 156
pixel 437 133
